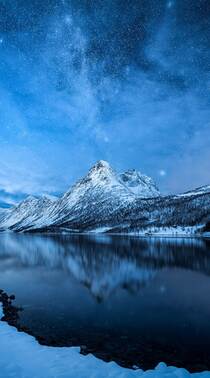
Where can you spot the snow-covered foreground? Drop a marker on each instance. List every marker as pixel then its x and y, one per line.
pixel 22 357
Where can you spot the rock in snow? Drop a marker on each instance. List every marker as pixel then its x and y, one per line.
pixel 111 202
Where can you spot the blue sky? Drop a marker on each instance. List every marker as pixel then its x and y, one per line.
pixel 123 81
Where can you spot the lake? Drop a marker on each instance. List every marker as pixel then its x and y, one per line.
pixel 137 301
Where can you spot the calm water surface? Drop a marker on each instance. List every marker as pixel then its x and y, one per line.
pixel 132 300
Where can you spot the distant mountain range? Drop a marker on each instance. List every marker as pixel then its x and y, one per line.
pixel 8 199
pixel 105 201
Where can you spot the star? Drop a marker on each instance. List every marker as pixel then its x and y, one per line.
pixel 68 19
pixel 170 4
pixel 162 173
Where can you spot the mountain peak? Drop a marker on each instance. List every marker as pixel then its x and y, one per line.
pixel 101 164
pixel 101 170
pixel 27 200
pixel 139 184
pixel 101 185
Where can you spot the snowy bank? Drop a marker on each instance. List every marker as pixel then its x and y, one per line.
pixel 22 357
pixel 176 231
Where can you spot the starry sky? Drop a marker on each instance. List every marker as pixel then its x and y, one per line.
pixel 126 81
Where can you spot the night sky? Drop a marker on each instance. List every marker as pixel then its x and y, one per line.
pixel 119 80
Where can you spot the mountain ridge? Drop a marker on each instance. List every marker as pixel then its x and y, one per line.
pixel 104 200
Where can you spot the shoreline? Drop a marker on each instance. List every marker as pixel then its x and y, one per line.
pixel 129 234
pixel 68 362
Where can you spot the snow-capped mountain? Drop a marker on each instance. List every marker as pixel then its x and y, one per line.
pixel 141 185
pixel 107 201
pixel 92 200
pixel 200 190
pixel 25 214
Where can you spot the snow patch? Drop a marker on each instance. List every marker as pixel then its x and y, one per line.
pixel 22 357
pixel 100 230
pixel 170 231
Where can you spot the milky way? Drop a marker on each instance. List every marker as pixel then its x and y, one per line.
pixel 123 81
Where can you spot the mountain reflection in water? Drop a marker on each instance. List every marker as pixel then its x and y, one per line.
pixel 133 300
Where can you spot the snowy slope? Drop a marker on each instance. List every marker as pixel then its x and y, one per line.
pixel 25 213
pixel 141 185
pixel 201 190
pixel 3 213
